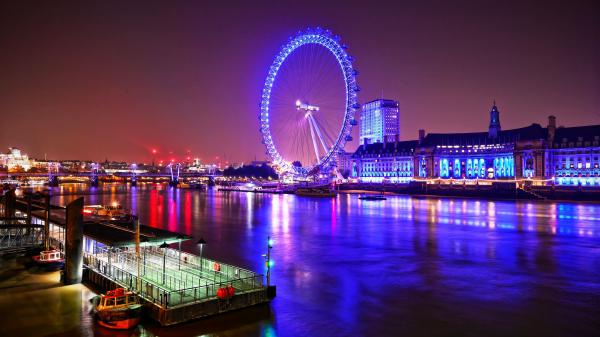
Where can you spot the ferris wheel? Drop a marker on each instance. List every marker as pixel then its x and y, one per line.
pixel 308 103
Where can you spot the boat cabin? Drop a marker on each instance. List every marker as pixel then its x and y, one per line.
pixel 50 255
pixel 117 298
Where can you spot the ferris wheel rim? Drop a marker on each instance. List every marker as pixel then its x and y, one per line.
pixel 333 44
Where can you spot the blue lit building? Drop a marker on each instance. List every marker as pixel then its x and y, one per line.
pixel 574 155
pixel 390 161
pixel 546 155
pixel 379 121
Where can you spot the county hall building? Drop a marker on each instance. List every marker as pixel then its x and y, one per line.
pixel 547 155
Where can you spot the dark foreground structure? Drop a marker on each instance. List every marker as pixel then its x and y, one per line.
pixel 174 286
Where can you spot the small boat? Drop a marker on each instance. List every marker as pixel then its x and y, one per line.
pixel 50 259
pixel 197 185
pixel 114 211
pixel 118 309
pixel 315 192
pixel 372 197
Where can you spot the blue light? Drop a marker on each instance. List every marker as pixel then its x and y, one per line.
pixel 320 37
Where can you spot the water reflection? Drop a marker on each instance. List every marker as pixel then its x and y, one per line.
pixel 409 265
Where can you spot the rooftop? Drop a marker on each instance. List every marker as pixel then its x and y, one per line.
pixel 117 235
pixel 532 132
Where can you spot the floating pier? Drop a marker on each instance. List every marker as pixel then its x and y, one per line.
pixel 174 286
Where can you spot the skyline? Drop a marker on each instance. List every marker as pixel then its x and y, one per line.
pixel 123 80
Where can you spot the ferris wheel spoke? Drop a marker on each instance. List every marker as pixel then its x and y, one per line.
pixel 317 64
pixel 320 62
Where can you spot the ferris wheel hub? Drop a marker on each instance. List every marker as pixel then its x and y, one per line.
pixel 306 107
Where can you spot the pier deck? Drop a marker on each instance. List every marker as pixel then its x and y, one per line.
pixel 175 286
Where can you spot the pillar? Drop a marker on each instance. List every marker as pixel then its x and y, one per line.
pixel 74 242
pixel 53 181
pixel 10 203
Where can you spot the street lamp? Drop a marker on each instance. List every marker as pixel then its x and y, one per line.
pixel 269 262
pixel 201 242
pixel 164 247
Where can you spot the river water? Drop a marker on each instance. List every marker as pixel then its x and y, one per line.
pixel 407 266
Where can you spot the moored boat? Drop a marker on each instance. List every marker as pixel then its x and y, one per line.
pixel 372 197
pixel 50 259
pixel 112 212
pixel 315 192
pixel 118 309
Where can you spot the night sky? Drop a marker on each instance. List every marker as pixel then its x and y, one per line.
pixel 103 79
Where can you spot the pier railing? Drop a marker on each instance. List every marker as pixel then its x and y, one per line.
pixel 182 282
pixel 16 236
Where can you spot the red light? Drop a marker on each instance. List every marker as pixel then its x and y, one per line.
pixel 153 151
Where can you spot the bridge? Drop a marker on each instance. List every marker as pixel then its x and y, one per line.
pixel 174 175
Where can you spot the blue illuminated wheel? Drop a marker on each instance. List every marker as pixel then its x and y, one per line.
pixel 308 103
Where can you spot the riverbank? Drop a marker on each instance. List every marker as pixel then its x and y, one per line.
pixel 35 303
pixel 494 191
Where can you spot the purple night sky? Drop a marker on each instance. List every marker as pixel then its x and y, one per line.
pixel 91 80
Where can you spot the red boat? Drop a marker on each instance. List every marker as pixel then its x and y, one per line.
pixel 50 259
pixel 118 309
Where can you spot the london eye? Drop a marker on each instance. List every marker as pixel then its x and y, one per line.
pixel 308 103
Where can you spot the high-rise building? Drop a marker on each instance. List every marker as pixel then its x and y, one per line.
pixel 379 121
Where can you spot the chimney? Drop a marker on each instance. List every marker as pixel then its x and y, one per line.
pixel 551 128
pixel 421 135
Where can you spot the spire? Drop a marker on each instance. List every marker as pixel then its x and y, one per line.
pixel 494 128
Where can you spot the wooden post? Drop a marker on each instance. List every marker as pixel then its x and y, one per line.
pixel 74 242
pixel 10 204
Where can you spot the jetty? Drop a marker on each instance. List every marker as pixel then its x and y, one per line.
pixel 174 286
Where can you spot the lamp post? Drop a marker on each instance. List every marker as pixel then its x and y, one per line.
pixel 269 263
pixel 164 247
pixel 201 242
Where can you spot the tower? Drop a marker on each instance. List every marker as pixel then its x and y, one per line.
pixel 379 121
pixel 494 122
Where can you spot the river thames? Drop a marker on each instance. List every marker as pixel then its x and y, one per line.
pixel 410 266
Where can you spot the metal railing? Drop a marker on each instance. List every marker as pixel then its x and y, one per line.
pixel 176 286
pixel 20 236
